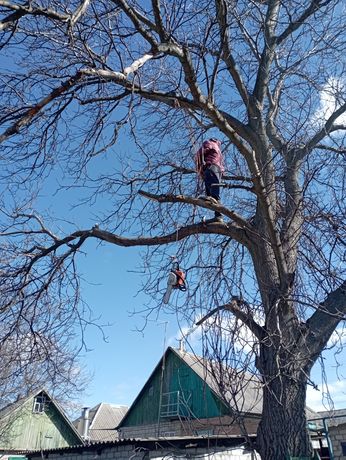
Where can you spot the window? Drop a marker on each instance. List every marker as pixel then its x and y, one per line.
pixel 39 404
pixel 168 434
pixel 176 404
pixel 205 432
pixel 343 448
pixel 312 426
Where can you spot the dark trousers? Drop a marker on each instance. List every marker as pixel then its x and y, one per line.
pixel 212 175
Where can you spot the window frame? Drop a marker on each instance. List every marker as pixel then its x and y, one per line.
pixel 39 405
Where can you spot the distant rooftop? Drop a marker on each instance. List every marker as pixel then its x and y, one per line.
pixel 103 419
pixel 335 417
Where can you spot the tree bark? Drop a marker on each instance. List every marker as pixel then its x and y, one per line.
pixel 282 432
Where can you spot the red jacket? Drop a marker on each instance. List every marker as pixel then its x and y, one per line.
pixel 209 154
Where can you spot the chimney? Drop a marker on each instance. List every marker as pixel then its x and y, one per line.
pixel 85 423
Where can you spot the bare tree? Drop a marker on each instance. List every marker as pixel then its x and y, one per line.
pixel 39 350
pixel 42 334
pixel 267 78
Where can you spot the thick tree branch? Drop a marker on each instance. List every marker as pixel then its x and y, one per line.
pixel 274 104
pixel 270 222
pixel 198 202
pixel 267 56
pixel 75 240
pixel 235 306
pixel 325 319
pixel 31 113
pixel 20 11
pixel 190 76
pixel 229 125
pixel 120 77
pixel 293 218
pixel 137 19
pixel 138 15
pixel 326 129
pixel 226 122
pixel 158 20
pixel 330 148
pixel 80 11
pixel 294 25
pixel 222 9
pixel 232 231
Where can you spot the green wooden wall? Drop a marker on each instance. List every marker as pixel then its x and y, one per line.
pixel 177 376
pixel 24 429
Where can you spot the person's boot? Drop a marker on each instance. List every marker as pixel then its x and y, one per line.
pixel 207 198
pixel 217 219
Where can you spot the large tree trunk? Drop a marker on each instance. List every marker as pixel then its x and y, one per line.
pixel 282 432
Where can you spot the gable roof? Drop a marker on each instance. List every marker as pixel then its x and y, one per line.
pixel 242 390
pixel 10 409
pixel 103 419
pixel 247 401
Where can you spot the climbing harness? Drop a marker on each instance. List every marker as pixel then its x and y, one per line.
pixel 176 280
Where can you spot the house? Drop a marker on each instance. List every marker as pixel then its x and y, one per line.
pixel 35 422
pixel 189 396
pixel 337 436
pixel 99 423
pixel 334 431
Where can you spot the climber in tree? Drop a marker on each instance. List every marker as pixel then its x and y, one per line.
pixel 210 167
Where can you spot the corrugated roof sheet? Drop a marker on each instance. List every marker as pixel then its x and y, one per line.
pixel 247 399
pixel 103 419
pixel 153 443
pixel 335 417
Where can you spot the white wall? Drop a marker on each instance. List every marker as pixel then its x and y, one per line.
pixel 227 454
